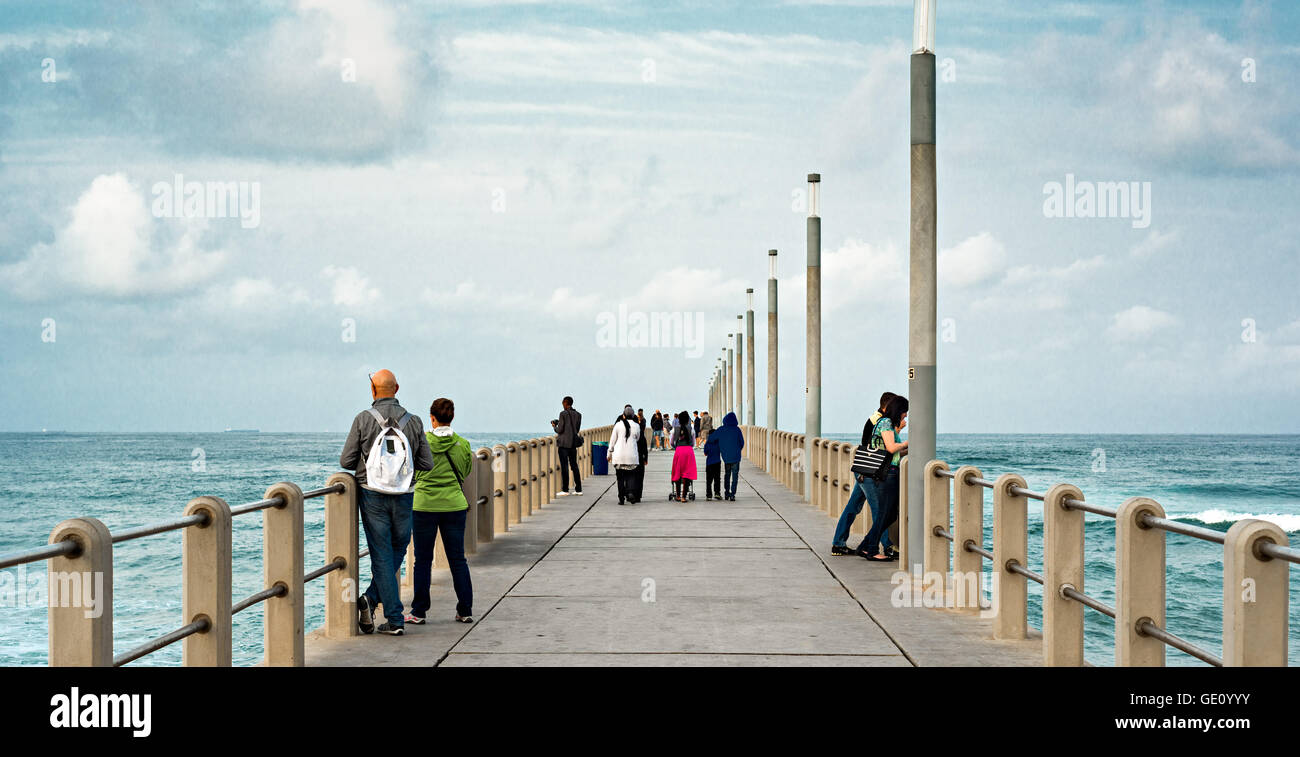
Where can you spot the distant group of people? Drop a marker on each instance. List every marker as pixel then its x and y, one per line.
pixel 629 452
pixel 409 486
pixel 882 431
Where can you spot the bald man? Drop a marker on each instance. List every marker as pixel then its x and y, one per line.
pixel 385 517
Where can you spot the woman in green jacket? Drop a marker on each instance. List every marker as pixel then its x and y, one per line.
pixel 440 507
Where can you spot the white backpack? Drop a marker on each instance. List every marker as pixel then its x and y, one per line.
pixel 389 467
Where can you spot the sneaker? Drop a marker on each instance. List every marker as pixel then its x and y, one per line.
pixel 415 620
pixel 464 619
pixel 561 494
pixel 390 630
pixel 838 551
pixel 578 493
pixel 708 497
pixel 364 619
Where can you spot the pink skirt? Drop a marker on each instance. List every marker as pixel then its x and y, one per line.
pixel 684 464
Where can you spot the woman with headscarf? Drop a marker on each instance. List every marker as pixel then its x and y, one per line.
pixel 623 454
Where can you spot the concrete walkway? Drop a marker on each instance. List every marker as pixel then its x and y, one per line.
pixel 751 582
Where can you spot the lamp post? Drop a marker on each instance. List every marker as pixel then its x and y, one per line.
pixel 749 357
pixel 731 373
pixel 740 368
pixel 771 340
pixel 813 400
pixel 922 313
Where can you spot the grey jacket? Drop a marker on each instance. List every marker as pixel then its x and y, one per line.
pixel 567 428
pixel 364 430
pixel 706 425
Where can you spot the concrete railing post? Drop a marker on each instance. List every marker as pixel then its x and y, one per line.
pixel 205 568
pixel 938 502
pixel 80 587
pixel 536 476
pixel 846 474
pixel 815 470
pixel 1062 567
pixel 1255 596
pixel 801 475
pixel 469 487
pixel 967 527
pixel 1010 544
pixel 905 560
pixel 1139 583
pixel 486 493
pixel 527 473
pixel 342 534
pixel 514 477
pixel 282 564
pixel 500 491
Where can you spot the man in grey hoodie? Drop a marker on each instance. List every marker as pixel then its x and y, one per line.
pixel 706 428
pixel 385 517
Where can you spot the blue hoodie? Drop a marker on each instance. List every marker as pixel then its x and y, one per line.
pixel 711 454
pixel 730 440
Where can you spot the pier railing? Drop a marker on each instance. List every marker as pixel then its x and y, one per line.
pixel 1257 557
pixel 507 483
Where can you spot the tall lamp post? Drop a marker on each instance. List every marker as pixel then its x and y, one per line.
pixel 922 314
pixel 813 401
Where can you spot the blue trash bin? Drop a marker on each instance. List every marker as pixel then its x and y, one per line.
pixel 600 458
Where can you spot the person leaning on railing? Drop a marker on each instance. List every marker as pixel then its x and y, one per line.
pixel 886 434
pixel 864 490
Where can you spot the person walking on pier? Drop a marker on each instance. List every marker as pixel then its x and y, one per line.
pixel 643 457
pixel 567 440
pixel 712 470
pixel 864 490
pixel 657 428
pixel 385 447
pixel 706 427
pixel 683 445
pixel 730 442
pixel 441 507
pixel 696 422
pixel 885 434
pixel 623 452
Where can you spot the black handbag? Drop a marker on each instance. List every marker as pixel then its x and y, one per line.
pixel 872 463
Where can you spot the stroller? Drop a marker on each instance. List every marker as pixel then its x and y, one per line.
pixel 686 487
pixel 683 470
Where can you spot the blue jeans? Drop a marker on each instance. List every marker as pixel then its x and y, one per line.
pixel 386 519
pixel 884 511
pixel 731 477
pixel 851 510
pixel 452 526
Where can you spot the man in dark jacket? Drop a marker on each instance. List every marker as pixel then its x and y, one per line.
pixel 566 428
pixel 385 516
pixel 730 442
pixel 643 457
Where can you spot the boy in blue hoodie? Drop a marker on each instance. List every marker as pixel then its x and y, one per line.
pixel 730 443
pixel 712 470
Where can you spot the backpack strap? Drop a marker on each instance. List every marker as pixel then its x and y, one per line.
pixel 378 418
pixel 459 481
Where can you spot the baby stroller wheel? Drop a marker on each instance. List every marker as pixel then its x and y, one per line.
pixel 692 496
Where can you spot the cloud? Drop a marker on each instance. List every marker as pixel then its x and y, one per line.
pixel 1139 323
pixel 1154 242
pixel 113 247
pixel 972 261
pixel 1037 288
pixel 349 288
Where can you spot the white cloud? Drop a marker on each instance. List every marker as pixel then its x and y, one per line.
pixel 112 246
pixel 349 288
pixel 1154 242
pixel 972 261
pixel 1138 323
pixel 1037 288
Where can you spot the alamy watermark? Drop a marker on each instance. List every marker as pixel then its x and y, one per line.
pixel 44 589
pixel 210 199
pixel 1101 199
pixel 636 329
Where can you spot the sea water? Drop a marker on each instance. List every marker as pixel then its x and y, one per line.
pixel 133 479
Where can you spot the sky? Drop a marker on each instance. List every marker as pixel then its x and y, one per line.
pixel 470 192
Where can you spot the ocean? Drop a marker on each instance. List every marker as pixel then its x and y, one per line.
pixel 133 479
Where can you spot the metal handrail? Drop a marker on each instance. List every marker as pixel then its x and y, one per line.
pixel 198 519
pixel 1069 592
pixel 1017 568
pixel 1269 549
pixel 971 546
pixel 1021 491
pixel 335 489
pixel 338 564
pixel 279 590
pixel 1186 529
pixel 1145 627
pixel 1077 504
pixel 261 504
pixel 35 554
pixel 199 626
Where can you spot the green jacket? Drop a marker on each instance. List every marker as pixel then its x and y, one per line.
pixel 436 490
